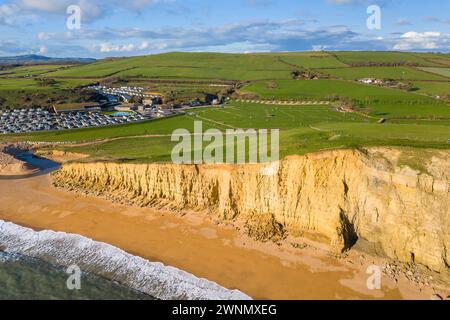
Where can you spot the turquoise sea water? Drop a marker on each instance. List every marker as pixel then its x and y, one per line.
pixel 24 278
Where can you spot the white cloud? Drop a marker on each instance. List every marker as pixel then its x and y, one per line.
pixel 319 47
pixel 239 36
pixel 423 41
pixel 108 47
pixel 43 50
pixel 15 47
pixel 145 45
pixel 9 14
pixel 91 9
pixel 282 35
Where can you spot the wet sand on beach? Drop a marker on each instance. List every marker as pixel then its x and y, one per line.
pixel 196 244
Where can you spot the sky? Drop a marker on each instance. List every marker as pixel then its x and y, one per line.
pixel 112 28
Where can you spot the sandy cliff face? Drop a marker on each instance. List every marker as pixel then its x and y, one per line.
pixel 341 197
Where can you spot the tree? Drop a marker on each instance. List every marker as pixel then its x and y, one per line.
pixel 46 82
pixel 295 74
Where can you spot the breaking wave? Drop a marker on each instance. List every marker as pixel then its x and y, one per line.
pixel 155 279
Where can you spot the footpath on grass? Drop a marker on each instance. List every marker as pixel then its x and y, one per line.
pixel 289 103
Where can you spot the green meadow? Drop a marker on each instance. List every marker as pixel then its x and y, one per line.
pixel 186 66
pixel 27 92
pixel 303 129
pixel 31 84
pixel 312 60
pixel 321 89
pixel 245 66
pixel 414 119
pixel 30 70
pixel 357 57
pixel 445 72
pixel 432 88
pixel 397 73
pixel 378 101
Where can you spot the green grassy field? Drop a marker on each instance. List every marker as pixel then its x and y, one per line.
pixel 31 84
pixel 433 88
pixel 187 66
pixel 206 66
pixel 19 84
pixel 397 73
pixel 353 57
pixel 414 119
pixel 30 70
pixel 312 60
pixel 303 129
pixel 321 89
pixel 26 92
pixel 297 137
pixel 438 59
pixel 440 71
pixel 235 66
pixel 381 102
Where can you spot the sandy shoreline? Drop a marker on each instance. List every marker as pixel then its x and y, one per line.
pixel 199 246
pixel 151 278
pixel 9 165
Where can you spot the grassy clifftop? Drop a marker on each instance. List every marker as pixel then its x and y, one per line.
pixel 414 119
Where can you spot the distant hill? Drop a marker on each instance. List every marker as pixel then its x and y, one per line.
pixel 262 66
pixel 37 59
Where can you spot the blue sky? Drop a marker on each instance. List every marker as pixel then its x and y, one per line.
pixel 138 27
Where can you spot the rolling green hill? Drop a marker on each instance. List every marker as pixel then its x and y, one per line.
pixel 187 66
pixel 236 66
pixel 324 89
pixel 397 73
pixel 441 71
pixel 379 101
pixel 364 57
pixel 311 60
pixel 30 70
pixel 414 119
pixel 303 129
pixel 433 88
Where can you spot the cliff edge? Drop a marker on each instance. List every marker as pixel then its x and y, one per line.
pixel 342 197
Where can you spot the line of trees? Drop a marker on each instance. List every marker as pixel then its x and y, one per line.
pixel 46 82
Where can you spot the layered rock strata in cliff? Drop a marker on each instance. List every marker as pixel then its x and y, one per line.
pixel 340 196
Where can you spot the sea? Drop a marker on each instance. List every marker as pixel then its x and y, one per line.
pixel 26 278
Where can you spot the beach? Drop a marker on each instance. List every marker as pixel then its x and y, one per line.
pixel 83 256
pixel 198 245
pixel 10 166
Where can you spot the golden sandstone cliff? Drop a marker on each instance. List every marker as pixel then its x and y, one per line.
pixel 341 197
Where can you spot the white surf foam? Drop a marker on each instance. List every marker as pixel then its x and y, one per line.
pixel 155 279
